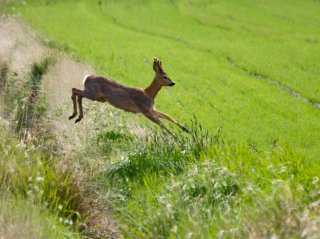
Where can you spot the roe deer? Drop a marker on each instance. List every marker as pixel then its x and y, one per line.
pixel 135 100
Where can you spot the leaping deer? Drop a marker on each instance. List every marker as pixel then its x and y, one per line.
pixel 131 99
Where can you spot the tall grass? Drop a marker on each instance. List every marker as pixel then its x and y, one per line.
pixel 3 76
pixel 21 218
pixel 163 154
pixel 29 176
pixel 202 187
pixel 30 103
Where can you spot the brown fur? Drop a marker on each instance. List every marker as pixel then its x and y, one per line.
pixel 131 99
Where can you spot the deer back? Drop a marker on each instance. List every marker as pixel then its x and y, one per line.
pixel 127 98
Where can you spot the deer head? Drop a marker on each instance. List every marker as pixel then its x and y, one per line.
pixel 161 76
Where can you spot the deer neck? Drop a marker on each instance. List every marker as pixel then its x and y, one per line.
pixel 153 89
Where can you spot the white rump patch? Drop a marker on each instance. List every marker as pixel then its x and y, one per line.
pixel 84 80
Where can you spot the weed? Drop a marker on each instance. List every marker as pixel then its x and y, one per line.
pixel 163 155
pixel 21 218
pixel 4 69
pixel 29 104
pixel 57 45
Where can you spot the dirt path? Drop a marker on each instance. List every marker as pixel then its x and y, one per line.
pixel 15 48
pixel 20 47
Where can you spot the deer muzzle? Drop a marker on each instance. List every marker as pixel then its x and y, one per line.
pixel 172 84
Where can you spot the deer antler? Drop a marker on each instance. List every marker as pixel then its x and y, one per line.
pixel 157 65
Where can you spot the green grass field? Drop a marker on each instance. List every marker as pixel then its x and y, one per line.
pixel 278 40
pixel 251 169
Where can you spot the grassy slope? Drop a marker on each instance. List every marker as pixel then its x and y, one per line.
pixel 194 40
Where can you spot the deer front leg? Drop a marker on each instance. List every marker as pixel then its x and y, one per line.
pixel 154 118
pixel 73 97
pixel 167 117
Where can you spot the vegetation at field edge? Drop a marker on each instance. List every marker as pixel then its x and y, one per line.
pixel 37 198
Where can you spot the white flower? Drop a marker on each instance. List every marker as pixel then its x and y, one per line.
pixel 189 235
pixel 66 221
pixel 315 180
pixel 60 207
pixel 174 229
pixel 39 179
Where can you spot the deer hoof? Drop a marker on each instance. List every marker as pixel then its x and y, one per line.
pixel 77 120
pixel 72 116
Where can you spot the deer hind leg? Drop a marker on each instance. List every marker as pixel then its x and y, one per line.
pixel 74 97
pixel 167 117
pixel 80 108
pixel 155 119
pixel 77 95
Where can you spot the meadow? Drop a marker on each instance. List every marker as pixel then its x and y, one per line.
pixel 196 41
pixel 246 76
